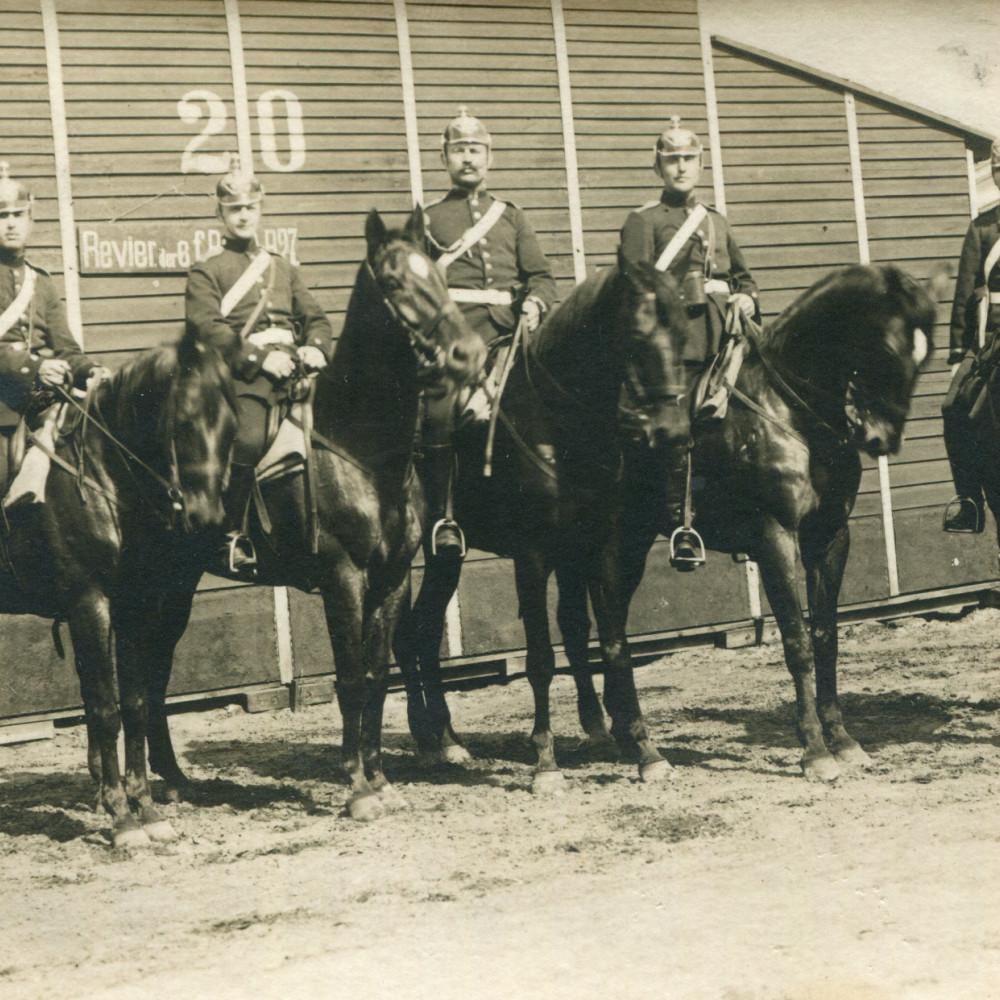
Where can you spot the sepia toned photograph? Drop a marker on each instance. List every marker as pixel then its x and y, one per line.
pixel 500 499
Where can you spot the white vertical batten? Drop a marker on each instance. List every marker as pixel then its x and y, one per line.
pixel 409 101
pixel 864 255
pixel 712 111
pixel 970 166
pixel 64 186
pixel 453 612
pixel 241 104
pixel 244 145
pixel 569 142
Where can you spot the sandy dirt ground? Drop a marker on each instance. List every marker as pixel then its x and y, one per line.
pixel 738 880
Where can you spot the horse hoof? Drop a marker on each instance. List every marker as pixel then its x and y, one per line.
pixel 455 753
pixel 656 771
pixel 391 799
pixel 130 838
pixel 851 755
pixel 365 808
pixel 160 831
pixel 822 767
pixel 548 783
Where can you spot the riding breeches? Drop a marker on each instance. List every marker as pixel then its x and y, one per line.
pixel 252 413
pixel 960 431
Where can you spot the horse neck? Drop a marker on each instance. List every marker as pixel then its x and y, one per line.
pixel 367 399
pixel 578 344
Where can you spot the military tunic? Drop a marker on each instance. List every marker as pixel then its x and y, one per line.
pixel 43 326
pixel 508 258
pixel 649 229
pixel 289 306
pixel 982 234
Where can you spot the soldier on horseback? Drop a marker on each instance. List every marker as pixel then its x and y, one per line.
pixel 975 320
pixel 253 307
pixel 695 244
pixel 498 275
pixel 37 349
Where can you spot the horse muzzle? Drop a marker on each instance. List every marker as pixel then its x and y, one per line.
pixel 464 359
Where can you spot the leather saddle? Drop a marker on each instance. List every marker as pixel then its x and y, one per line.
pixel 710 396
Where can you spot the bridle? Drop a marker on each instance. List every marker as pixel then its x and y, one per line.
pixel 430 356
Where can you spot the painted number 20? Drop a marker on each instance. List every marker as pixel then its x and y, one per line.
pixel 190 109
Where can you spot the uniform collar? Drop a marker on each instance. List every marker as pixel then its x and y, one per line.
pixel 676 199
pixel 12 258
pixel 240 246
pixel 462 194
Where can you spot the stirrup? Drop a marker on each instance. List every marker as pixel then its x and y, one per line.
pixel 447 522
pixel 240 556
pixel 692 555
pixel 964 516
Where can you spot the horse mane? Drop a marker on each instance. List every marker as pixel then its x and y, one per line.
pixel 575 314
pixel 849 296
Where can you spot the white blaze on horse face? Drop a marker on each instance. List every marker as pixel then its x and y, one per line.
pixel 919 346
pixel 418 265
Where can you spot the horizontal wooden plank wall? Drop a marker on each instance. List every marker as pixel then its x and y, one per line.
pixel 788 184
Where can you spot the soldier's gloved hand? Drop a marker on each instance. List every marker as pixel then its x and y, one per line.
pixel 743 303
pixel 312 358
pixel 53 371
pixel 278 364
pixel 531 312
pixel 98 374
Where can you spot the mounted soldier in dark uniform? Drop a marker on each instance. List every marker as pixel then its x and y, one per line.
pixel 975 320
pixel 498 275
pixel 37 349
pixel 253 307
pixel 695 244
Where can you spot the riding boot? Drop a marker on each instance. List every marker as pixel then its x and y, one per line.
pixel 444 536
pixel 965 512
pixel 239 558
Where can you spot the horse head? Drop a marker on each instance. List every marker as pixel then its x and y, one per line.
pixel 851 348
pixel 172 411
pixel 415 290
pixel 890 350
pixel 654 324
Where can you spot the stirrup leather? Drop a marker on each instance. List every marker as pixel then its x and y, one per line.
pixel 687 562
pixel 440 522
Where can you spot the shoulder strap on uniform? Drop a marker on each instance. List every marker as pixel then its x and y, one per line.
pixel 19 306
pixel 254 270
pixel 476 232
pixel 648 205
pixel 681 237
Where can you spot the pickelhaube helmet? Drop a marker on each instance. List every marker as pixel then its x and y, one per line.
pixel 465 128
pixel 676 141
pixel 14 196
pixel 238 186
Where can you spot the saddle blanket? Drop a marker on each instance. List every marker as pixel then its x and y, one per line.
pixel 287 451
pixel 29 483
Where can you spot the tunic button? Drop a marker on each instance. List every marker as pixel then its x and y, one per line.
pixel 253 357
pixel 477 215
pixel 24 371
pixel 489 266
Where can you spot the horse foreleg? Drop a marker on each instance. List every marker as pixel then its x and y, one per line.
pixel 417 645
pixel 378 638
pixel 620 696
pixel 344 616
pixel 574 624
pixel 824 575
pixel 531 575
pixel 777 560
pixel 90 629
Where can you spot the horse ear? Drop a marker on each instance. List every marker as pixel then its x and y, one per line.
pixel 375 231
pixel 415 228
pixel 939 285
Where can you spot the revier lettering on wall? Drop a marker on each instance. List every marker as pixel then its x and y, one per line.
pixel 136 246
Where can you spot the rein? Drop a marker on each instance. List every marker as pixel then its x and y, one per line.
pixel 171 487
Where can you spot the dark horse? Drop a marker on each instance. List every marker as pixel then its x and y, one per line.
pixel 553 500
pixel 833 375
pixel 127 497
pixel 400 331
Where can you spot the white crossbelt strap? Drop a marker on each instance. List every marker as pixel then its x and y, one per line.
pixel 19 306
pixel 681 237
pixel 477 232
pixel 988 299
pixel 234 296
pixel 484 296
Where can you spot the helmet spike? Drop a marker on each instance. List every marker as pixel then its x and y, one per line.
pixel 465 128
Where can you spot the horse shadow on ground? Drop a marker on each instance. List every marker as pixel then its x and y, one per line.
pixel 33 804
